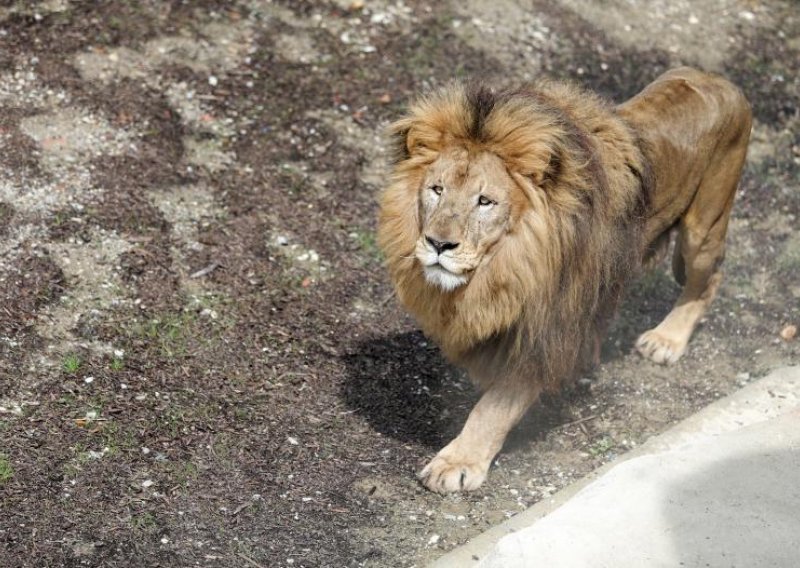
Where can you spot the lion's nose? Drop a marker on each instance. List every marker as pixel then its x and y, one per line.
pixel 441 246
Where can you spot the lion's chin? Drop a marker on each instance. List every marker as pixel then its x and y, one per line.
pixel 443 278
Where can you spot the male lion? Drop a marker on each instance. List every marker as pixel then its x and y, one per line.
pixel 515 219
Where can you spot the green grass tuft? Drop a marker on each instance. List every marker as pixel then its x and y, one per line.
pixel 72 363
pixel 6 471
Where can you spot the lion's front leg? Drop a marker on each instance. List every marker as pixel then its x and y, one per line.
pixel 462 464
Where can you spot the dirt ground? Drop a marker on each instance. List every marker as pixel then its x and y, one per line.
pixel 201 360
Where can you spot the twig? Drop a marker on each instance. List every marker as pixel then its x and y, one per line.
pixel 241 508
pixel 579 421
pixel 204 271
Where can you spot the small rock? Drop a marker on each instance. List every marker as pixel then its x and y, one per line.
pixel 80 549
pixel 213 81
pixel 789 332
pixel 147 483
pixel 95 455
pixel 433 540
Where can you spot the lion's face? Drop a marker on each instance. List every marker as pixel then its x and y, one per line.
pixel 467 203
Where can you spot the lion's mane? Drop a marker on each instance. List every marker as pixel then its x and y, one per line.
pixel 534 306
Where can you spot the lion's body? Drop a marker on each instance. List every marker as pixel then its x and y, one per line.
pixel 520 288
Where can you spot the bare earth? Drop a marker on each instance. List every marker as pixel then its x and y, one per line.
pixel 201 361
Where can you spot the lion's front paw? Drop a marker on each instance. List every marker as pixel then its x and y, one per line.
pixel 659 347
pixel 445 474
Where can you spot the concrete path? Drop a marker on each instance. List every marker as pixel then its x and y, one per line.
pixel 721 489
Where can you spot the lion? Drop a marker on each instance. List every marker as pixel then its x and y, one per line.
pixel 515 219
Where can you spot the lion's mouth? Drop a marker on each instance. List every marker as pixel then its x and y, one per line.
pixel 440 276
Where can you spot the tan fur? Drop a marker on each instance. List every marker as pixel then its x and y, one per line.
pixel 582 193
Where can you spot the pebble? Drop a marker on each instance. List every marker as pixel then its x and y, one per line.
pixel 789 332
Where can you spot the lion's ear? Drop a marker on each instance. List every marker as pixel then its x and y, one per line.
pixel 412 137
pixel 398 133
pixel 407 139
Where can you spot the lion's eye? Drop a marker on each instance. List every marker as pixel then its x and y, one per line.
pixel 484 201
pixel 437 189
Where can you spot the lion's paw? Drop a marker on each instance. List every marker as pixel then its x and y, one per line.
pixel 446 474
pixel 659 347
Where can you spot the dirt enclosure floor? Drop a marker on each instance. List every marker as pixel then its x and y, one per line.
pixel 201 360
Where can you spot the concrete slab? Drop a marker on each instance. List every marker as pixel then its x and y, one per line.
pixel 721 488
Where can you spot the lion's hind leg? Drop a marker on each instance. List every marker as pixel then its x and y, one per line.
pixel 699 251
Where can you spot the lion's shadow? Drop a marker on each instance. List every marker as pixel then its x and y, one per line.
pixel 402 386
pixel 405 389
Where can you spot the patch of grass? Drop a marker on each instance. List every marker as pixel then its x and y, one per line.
pixel 143 522
pixel 173 420
pixel 175 334
pixel 223 449
pixel 6 471
pixel 169 333
pixel 68 399
pixel 241 414
pixel 601 446
pixel 71 363
pixel 117 364
pixel 366 241
pixel 116 438
pixel 182 473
